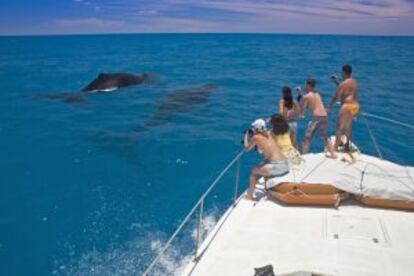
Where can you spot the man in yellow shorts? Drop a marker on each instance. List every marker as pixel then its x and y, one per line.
pixel 347 92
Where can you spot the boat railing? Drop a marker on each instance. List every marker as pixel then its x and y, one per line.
pixel 392 121
pixel 199 206
pixel 365 117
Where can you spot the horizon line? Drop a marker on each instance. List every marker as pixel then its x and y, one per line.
pixel 203 33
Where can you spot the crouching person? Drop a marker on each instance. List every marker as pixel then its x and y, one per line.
pixel 281 135
pixel 274 162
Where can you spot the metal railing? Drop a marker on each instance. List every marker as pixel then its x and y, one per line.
pixel 200 203
pixel 372 136
pixel 392 121
pixel 371 133
pixel 199 206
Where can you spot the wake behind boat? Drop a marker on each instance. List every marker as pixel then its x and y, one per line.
pixel 366 232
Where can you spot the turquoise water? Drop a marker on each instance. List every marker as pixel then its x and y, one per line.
pixel 84 193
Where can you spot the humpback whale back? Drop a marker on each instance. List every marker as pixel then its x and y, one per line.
pixel 111 81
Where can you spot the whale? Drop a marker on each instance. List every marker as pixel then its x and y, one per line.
pixel 179 101
pixel 67 97
pixel 107 82
pixel 104 82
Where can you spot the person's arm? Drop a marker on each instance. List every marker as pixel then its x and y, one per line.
pixel 335 97
pixel 281 107
pixel 300 94
pixel 302 100
pixel 335 80
pixel 298 109
pixel 305 102
pixel 248 145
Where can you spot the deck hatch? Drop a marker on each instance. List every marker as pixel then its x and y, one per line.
pixel 349 227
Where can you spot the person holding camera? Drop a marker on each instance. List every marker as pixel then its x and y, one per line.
pixel 312 101
pixel 290 110
pixel 347 92
pixel 274 163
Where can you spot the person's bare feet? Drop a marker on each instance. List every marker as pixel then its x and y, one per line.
pixel 353 159
pixel 249 196
pixel 347 148
pixel 332 155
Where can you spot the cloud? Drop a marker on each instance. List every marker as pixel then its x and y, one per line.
pixel 89 3
pixel 262 16
pixel 89 22
pixel 147 12
pixel 280 16
pixel 326 8
pixel 180 25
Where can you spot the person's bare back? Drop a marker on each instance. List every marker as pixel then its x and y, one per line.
pixel 274 164
pixel 348 91
pixel 267 147
pixel 319 122
pixel 313 102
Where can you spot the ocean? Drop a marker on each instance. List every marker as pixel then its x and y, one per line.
pixel 87 190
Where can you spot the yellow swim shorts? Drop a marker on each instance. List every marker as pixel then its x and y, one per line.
pixel 353 108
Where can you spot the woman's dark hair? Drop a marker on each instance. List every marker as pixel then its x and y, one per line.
pixel 287 97
pixel 279 124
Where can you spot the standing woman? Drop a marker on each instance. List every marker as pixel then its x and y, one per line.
pixel 290 110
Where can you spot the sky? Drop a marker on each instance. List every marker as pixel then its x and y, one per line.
pixel 361 17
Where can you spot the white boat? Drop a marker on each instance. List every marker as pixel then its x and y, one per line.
pixel 349 239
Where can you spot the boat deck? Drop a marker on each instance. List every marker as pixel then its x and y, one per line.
pixel 349 240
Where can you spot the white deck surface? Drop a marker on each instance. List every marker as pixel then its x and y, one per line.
pixel 350 240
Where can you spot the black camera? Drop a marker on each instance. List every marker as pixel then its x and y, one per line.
pixel 249 131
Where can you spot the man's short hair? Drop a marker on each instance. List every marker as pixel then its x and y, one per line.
pixel 311 82
pixel 347 69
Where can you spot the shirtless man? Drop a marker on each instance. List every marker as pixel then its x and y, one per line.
pixel 274 163
pixel 347 92
pixel 313 102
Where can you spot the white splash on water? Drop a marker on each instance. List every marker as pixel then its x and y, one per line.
pixel 169 264
pixel 181 161
pixel 208 223
pixel 133 257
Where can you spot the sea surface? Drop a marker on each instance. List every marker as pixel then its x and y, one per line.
pixel 92 188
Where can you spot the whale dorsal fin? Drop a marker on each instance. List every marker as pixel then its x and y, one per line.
pixel 101 75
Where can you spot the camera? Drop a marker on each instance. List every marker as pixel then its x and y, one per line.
pixel 249 131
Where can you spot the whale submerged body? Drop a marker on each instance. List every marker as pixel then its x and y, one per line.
pixel 180 101
pixel 67 97
pixel 107 82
